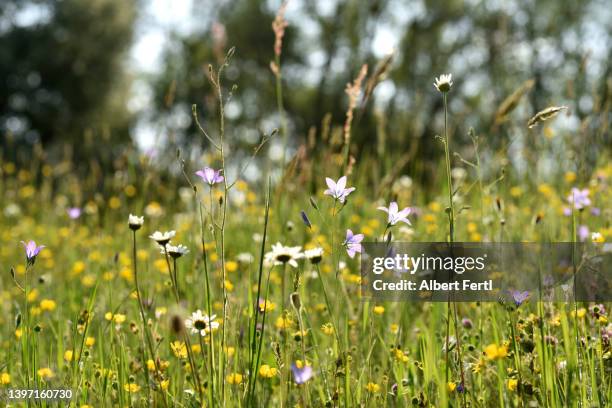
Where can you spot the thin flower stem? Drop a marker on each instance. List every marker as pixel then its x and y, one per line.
pixel 145 326
pixel 451 236
pixel 281 109
pixel 451 230
pixel 254 364
pixel 196 377
pixel 211 352
pixel 574 270
pixel 223 221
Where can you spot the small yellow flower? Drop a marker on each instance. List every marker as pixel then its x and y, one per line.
pixel 48 305
pixel 229 351
pixel 516 191
pixel 373 387
pixel 5 378
pixel 478 366
pixel 580 313
pixel 546 190
pixel 18 333
pixel 379 310
pixel 119 318
pixel 234 378
pixel 130 190
pixel 151 365
pixel 400 356
pixel 90 341
pixel 33 295
pixel 266 371
pixel 114 203
pixel 451 386
pixel 283 322
pixel 68 355
pixel 45 373
pixel 78 268
pixel 231 266
pixel 555 321
pixel 495 352
pixel 328 329
pixel 512 384
pixel 569 177
pixel 229 285
pixel 131 387
pixel 266 305
pixel 394 328
pixel 435 206
pixel 602 319
pixel 88 281
pixel 160 265
pixel 164 384
pixel 179 349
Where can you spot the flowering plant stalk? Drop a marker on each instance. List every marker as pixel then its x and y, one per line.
pixel 256 344
pixel 147 338
pixel 444 84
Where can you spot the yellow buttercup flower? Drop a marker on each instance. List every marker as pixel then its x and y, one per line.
pixel 283 322
pixel 48 305
pixel 131 387
pixel 45 373
pixel 328 329
pixel 512 384
pixel 234 378
pixel 495 352
pixel 179 349
pixel 5 378
pixel 266 371
pixel 372 387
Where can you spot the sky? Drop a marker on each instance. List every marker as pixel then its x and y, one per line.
pixel 160 17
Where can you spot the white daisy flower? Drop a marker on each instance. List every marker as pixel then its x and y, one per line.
pixel 444 83
pixel 135 222
pixel 162 238
pixel 314 255
pixel 201 324
pixel 175 251
pixel 281 254
pixel 245 258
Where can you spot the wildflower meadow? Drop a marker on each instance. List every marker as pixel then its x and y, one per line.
pixel 172 278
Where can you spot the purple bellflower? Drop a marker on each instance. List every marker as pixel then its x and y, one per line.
pixel 519 297
pixel 337 189
pixel 301 375
pixel 210 176
pixel 580 198
pixel 394 215
pixel 74 212
pixel 32 250
pixel 352 243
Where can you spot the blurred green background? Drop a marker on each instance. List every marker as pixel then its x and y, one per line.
pixel 78 73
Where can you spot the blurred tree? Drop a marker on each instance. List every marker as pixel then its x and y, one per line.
pixel 490 47
pixel 62 69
